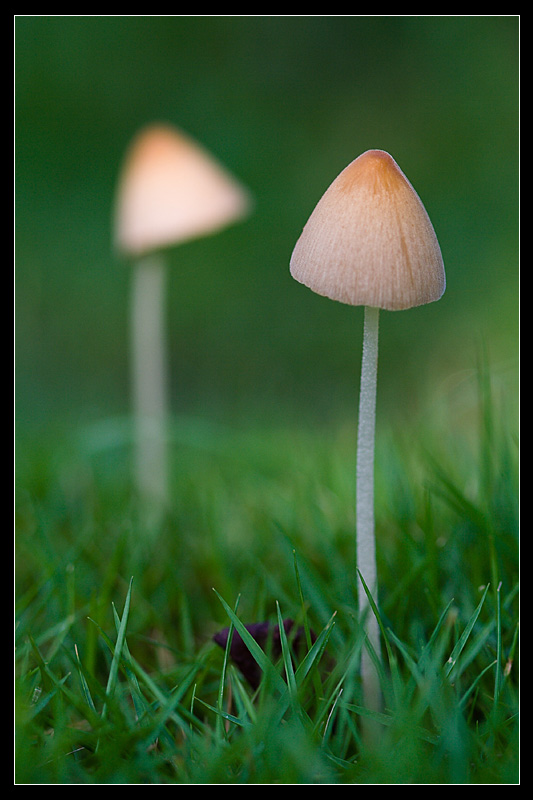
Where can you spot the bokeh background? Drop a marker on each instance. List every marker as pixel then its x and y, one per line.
pixel 285 102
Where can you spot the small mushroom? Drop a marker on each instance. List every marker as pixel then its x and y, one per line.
pixel 170 190
pixel 369 242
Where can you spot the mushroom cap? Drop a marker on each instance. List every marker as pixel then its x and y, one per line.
pixel 369 240
pixel 170 190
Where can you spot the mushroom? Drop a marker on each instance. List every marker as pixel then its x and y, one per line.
pixel 170 190
pixel 369 242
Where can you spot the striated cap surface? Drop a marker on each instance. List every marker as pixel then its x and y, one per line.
pixel 369 240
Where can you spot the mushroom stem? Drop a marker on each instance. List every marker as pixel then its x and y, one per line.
pixel 365 536
pixel 149 381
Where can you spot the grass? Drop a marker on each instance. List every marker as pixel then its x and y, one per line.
pixel 118 679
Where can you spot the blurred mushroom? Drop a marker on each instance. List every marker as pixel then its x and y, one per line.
pixel 170 190
pixel 369 242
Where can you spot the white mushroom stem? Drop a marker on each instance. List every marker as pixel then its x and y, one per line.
pixel 365 535
pixel 149 381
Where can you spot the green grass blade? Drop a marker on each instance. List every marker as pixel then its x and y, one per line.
pixel 287 662
pixel 222 681
pixel 457 650
pixel 117 654
pixel 84 684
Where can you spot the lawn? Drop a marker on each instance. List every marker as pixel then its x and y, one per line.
pixel 118 677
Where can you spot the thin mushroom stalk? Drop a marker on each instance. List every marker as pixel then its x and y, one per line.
pixel 364 501
pixel 149 378
pixel 369 242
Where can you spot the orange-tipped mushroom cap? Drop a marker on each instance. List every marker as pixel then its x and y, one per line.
pixel 171 190
pixel 369 240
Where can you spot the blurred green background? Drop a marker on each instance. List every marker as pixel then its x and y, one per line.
pixel 285 102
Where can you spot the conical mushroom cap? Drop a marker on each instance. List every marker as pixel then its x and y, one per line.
pixel 369 240
pixel 171 190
